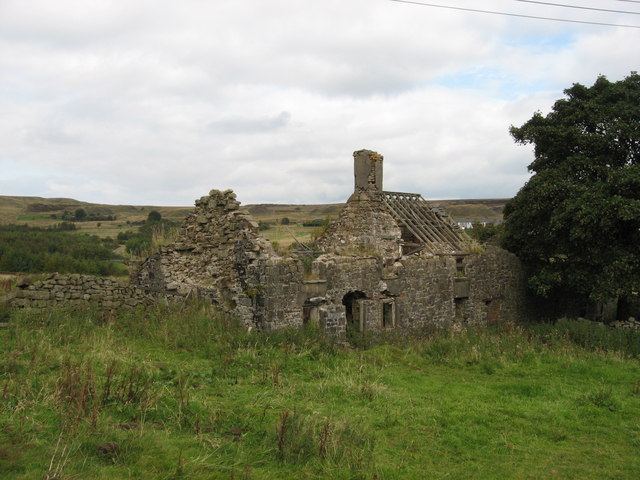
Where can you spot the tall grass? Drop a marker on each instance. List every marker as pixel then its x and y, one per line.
pixel 593 336
pixel 185 392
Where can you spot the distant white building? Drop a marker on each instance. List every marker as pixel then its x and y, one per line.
pixel 467 224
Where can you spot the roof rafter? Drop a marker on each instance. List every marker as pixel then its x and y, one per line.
pixel 428 226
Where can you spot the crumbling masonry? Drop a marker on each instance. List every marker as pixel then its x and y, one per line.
pixel 388 261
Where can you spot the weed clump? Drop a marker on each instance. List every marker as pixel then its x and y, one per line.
pixel 302 438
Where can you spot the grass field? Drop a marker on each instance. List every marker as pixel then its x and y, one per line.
pixel 186 394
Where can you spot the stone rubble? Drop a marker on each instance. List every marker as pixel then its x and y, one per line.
pixel 630 322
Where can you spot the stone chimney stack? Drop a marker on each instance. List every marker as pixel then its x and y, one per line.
pixel 367 169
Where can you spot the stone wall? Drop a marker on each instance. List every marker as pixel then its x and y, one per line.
pixel 631 322
pixel 424 288
pixel 342 276
pixel 416 291
pixel 345 274
pixel 79 290
pixel 498 287
pixel 274 286
pixel 270 292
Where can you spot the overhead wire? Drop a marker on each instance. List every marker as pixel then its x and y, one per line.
pixel 519 15
pixel 578 7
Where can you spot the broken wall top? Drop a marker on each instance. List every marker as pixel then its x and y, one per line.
pixel 218 220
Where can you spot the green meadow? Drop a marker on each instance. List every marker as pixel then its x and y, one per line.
pixel 185 393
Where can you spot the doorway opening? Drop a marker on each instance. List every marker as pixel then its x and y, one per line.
pixel 354 314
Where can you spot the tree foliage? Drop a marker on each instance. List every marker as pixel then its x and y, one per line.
pixel 80 214
pixel 154 216
pixel 485 232
pixel 576 222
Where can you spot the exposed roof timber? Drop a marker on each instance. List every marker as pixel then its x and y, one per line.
pixel 414 213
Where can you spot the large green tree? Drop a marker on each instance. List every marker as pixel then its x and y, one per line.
pixel 576 222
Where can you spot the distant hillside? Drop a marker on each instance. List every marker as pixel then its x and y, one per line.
pixel 43 212
pixel 39 211
pixel 473 209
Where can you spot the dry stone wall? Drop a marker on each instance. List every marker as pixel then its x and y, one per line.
pixel 631 323
pixel 80 290
pixel 270 292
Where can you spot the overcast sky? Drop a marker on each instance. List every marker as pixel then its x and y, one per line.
pixel 157 102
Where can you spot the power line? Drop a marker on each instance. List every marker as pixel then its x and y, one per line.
pixel 450 7
pixel 578 7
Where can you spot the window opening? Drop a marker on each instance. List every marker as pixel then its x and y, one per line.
pixel 388 314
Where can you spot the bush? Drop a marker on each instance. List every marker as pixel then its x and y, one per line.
pixel 138 245
pixel 65 226
pixel 483 233
pixel 317 222
pixel 154 216
pixel 80 214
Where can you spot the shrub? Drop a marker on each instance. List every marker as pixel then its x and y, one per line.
pixel 154 216
pixel 33 250
pixel 80 214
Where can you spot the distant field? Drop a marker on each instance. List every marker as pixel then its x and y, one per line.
pixel 282 233
pixel 477 209
pixel 39 212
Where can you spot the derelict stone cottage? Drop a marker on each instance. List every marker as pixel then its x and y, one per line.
pixel 390 260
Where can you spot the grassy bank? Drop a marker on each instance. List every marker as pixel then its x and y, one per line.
pixel 187 394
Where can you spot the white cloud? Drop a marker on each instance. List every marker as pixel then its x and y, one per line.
pixel 157 102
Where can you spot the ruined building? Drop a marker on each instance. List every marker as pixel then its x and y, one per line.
pixel 389 261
